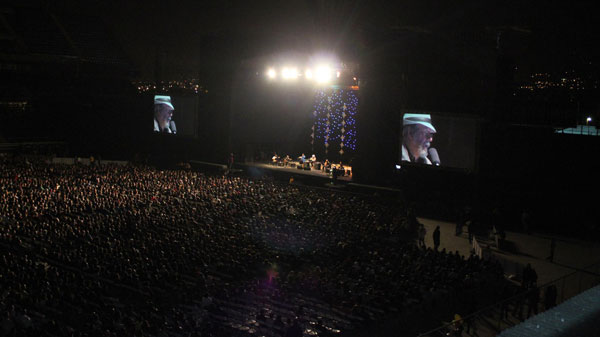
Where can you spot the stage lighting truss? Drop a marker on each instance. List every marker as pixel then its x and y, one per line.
pixel 308 74
pixel 321 74
pixel 288 73
pixel 318 74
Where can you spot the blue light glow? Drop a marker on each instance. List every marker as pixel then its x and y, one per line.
pixel 334 114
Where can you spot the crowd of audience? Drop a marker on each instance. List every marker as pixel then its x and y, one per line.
pixel 107 250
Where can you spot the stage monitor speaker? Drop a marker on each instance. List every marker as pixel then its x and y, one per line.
pixel 307 166
pixel 318 166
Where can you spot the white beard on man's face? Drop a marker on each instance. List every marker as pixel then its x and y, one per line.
pixel 423 150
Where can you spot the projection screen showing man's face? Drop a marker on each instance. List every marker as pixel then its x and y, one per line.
pixel 439 140
pixel 163 114
pixel 175 115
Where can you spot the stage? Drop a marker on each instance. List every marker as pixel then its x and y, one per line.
pixel 292 169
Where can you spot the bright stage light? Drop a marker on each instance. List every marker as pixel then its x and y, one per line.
pixel 289 73
pixel 308 74
pixel 323 74
pixel 271 73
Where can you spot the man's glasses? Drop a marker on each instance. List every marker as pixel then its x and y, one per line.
pixel 426 134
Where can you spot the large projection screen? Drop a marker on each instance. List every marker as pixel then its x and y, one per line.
pixel 439 140
pixel 175 115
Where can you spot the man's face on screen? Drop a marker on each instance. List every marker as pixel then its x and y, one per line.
pixel 164 115
pixel 424 136
pixel 421 140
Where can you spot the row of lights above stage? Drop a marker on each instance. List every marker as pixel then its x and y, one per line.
pixel 320 75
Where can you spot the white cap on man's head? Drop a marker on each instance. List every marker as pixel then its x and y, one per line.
pixel 422 119
pixel 161 99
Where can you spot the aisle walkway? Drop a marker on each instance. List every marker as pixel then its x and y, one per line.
pixel 569 255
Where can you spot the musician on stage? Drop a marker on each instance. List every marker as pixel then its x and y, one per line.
pixel 302 158
pixel 342 169
pixel 275 159
pixel 313 160
pixel 326 165
pixel 286 160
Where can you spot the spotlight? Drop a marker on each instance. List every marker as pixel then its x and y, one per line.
pixel 308 74
pixel 271 73
pixel 289 73
pixel 323 74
